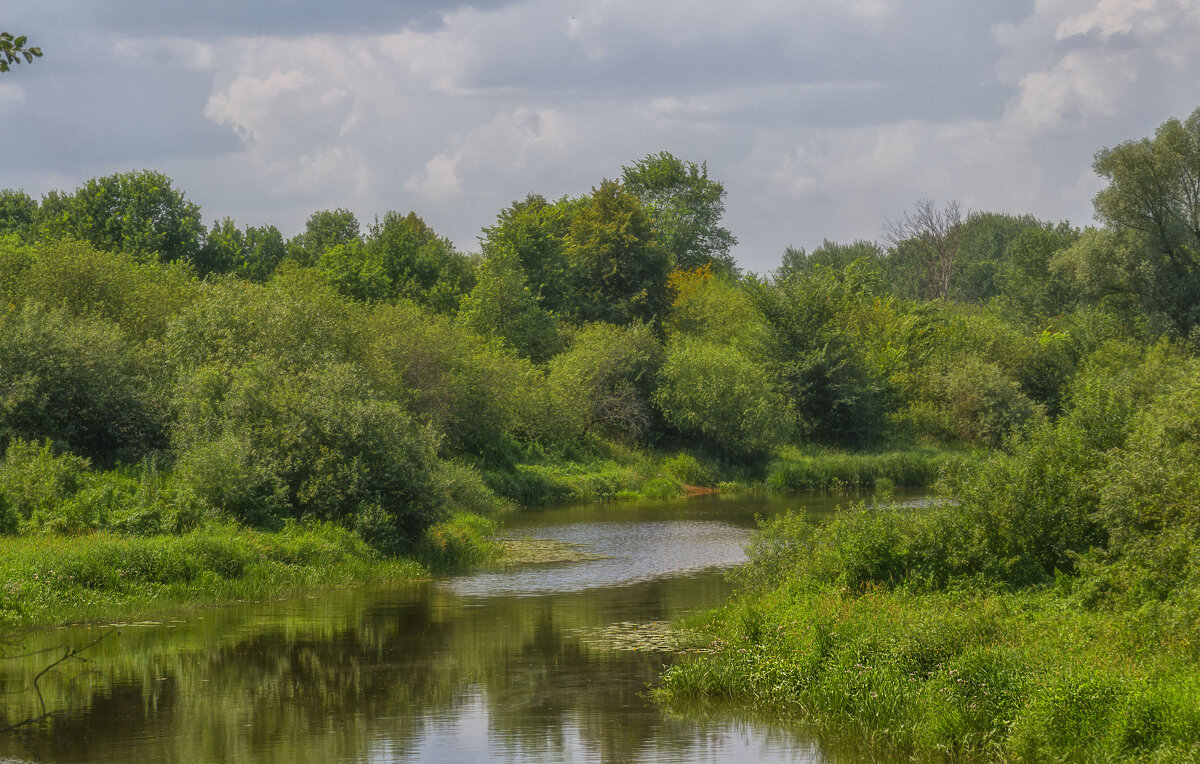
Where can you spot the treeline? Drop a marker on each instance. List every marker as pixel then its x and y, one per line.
pixel 375 378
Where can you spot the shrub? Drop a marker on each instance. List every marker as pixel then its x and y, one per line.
pixel 79 383
pixel 982 405
pixel 36 483
pixel 721 396
pixel 607 377
pixel 318 444
pixel 479 395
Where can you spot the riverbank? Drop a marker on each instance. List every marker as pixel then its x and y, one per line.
pixel 102 576
pixel 106 577
pixel 613 472
pixel 961 675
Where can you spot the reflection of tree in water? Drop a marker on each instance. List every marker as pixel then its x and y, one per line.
pixel 354 674
pixel 553 686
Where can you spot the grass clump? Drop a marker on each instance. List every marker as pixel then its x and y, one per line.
pixel 105 576
pixel 793 469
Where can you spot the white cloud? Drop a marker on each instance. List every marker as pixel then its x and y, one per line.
pixel 438 178
pixel 1112 17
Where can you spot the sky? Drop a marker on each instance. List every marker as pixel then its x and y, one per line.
pixel 822 119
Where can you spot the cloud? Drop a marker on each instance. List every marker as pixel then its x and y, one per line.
pixel 821 118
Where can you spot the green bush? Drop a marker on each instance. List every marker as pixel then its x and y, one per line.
pixel 479 396
pixel 264 445
pixel 721 396
pixel 139 297
pixel 606 379
pixel 37 483
pixel 79 383
pixel 982 406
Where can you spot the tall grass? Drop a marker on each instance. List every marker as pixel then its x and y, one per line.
pixel 793 469
pixel 953 675
pixel 103 576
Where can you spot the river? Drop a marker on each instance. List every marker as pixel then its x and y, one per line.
pixel 513 666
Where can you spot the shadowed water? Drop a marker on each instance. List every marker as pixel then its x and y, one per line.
pixel 479 668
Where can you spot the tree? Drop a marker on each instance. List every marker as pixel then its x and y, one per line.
pixel 830 254
pixel 1152 204
pixel 222 248
pixel 263 251
pixel 1025 281
pixel 985 240
pixel 323 230
pixel 924 246
pixel 355 271
pixel 618 268
pixel 502 305
pixel 835 396
pixel 686 207
pixel 536 231
pixel 422 265
pixel 135 212
pixel 13 49
pixel 18 214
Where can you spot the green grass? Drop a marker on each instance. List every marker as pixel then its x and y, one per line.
pixel 957 675
pixel 52 579
pixel 612 472
pixel 793 469
pixel 607 471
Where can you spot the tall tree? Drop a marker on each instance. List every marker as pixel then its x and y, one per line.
pixel 834 395
pixel 984 247
pixel 136 212
pixel 536 231
pixel 420 264
pixel 18 213
pixel 324 229
pixel 502 305
pixel 686 207
pixel 924 244
pixel 618 268
pixel 830 254
pixel 1152 203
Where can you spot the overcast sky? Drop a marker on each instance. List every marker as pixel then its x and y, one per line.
pixel 822 119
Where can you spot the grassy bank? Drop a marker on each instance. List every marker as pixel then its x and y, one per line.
pixel 960 675
pixel 612 472
pixel 796 469
pixel 104 577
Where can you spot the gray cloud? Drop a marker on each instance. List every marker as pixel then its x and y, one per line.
pixel 822 118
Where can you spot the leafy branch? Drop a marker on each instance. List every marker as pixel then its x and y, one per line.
pixel 12 49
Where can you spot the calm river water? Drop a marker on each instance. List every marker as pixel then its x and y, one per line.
pixel 492 667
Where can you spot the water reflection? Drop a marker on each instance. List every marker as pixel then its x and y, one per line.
pixel 481 668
